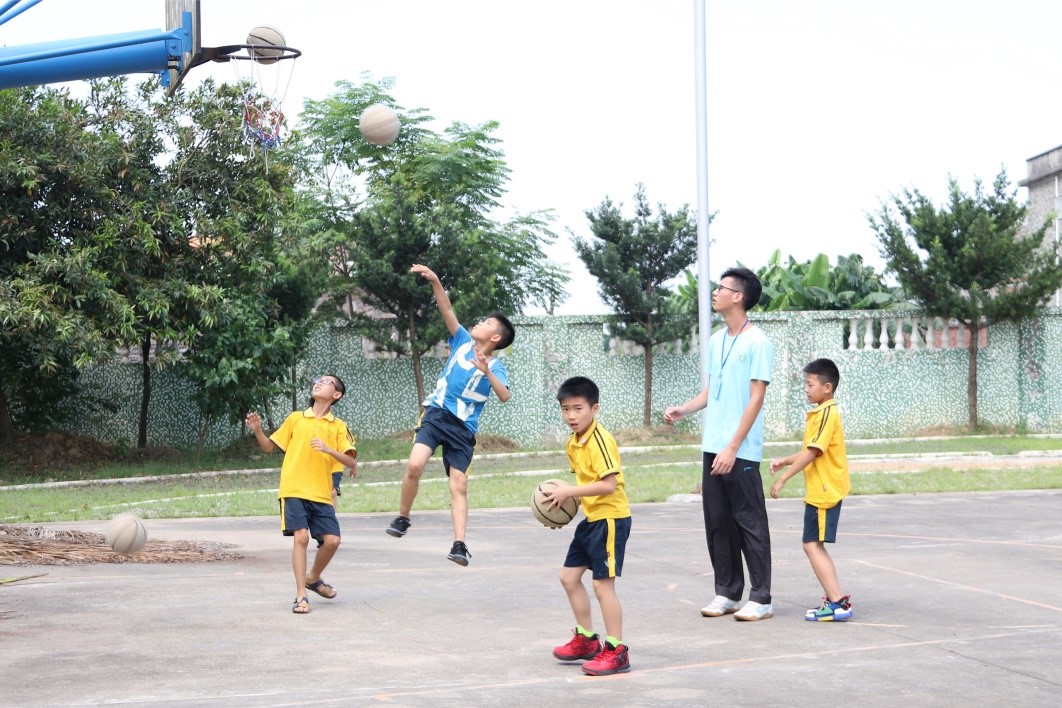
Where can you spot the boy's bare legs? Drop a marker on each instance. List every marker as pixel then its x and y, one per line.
pixel 459 503
pixel 418 460
pixel 611 610
pixel 572 581
pixel 822 564
pixel 298 560
pixel 329 546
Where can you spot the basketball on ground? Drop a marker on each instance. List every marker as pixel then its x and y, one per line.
pixel 552 518
pixel 263 37
pixel 126 534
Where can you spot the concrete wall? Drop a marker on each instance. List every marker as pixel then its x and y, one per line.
pixel 896 387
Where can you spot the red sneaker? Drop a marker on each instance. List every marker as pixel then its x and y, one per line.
pixel 611 660
pixel 580 647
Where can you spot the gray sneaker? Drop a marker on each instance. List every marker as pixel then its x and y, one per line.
pixel 720 606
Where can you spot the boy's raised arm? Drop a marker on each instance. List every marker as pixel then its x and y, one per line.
pixel 442 300
pixel 254 422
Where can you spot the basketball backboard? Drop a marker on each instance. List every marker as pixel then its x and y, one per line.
pixel 175 20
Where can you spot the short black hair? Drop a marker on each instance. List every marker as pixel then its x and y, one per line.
pixel 579 387
pixel 507 331
pixel 751 288
pixel 340 386
pixel 826 370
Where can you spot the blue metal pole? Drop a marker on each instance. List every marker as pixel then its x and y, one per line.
pixel 148 51
pixel 6 13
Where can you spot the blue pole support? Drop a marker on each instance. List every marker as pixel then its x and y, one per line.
pixel 9 11
pixel 149 51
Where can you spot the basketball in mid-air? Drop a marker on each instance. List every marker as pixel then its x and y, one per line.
pixel 379 124
pixel 552 518
pixel 263 37
pixel 126 534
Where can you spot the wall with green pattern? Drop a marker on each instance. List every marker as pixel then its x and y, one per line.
pixel 889 389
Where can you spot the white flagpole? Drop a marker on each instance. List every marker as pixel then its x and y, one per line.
pixel 704 321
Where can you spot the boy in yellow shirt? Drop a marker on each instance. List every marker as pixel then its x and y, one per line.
pixel 825 466
pixel 601 538
pixel 316 444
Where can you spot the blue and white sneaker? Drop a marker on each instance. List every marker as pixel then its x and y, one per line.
pixel 831 611
pixel 753 611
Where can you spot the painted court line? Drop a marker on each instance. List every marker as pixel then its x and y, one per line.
pixel 949 539
pixel 765 660
pixel 971 588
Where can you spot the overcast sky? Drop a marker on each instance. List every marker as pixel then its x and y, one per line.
pixel 816 110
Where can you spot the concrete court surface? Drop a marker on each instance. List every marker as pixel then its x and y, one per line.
pixel 957 598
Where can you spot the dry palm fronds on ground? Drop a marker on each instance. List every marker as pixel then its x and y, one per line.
pixel 37 545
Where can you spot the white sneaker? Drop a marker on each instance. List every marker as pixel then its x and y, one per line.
pixel 753 611
pixel 719 606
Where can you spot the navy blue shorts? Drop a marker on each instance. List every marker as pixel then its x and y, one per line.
pixel 320 519
pixel 337 477
pixel 821 524
pixel 441 427
pixel 599 546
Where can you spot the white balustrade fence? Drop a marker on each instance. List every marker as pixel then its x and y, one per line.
pixel 911 331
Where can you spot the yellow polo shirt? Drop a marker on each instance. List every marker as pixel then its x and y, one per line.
pixel 593 456
pixel 307 473
pixel 826 478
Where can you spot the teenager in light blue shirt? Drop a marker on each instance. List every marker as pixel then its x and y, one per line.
pixel 739 361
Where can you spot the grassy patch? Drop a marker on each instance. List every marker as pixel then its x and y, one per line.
pixel 651 476
pixel 997 445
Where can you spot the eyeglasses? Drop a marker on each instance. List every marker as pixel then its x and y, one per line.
pixel 720 286
pixel 323 380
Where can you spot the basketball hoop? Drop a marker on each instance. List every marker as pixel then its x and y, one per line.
pixel 266 68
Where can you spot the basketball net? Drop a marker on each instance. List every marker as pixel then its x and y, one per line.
pixel 264 86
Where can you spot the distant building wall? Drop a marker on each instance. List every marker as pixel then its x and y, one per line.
pixel 1044 182
pixel 910 379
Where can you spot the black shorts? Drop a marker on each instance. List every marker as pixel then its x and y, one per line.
pixel 320 519
pixel 439 426
pixel 821 524
pixel 337 477
pixel 599 546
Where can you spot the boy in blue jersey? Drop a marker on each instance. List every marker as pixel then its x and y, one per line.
pixel 739 361
pixel 452 410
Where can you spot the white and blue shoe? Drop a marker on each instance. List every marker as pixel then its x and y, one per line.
pixel 753 611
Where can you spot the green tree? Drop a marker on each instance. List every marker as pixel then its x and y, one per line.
pixel 254 281
pixel 967 261
pixel 196 246
pixel 59 307
pixel 633 261
pixel 428 198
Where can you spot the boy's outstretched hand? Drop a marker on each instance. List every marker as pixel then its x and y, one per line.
pixel 254 421
pixel 425 271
